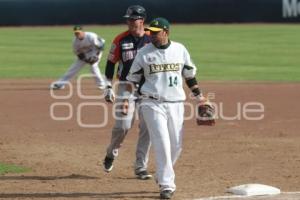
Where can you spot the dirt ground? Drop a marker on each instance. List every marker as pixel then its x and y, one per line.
pixel 66 159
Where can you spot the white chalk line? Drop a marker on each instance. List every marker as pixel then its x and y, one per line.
pixel 221 197
pixel 239 196
pixel 290 192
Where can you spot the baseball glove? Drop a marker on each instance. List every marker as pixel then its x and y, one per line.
pixel 206 114
pixel 81 56
pixel 91 60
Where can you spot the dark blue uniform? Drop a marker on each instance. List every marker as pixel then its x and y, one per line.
pixel 123 50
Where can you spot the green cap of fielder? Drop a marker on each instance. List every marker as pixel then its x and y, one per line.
pixel 77 28
pixel 158 24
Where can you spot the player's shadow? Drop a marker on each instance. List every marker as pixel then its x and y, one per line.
pixel 47 178
pixel 126 178
pixel 112 195
pixel 24 89
pixel 72 195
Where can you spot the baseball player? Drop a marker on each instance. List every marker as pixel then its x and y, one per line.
pixel 123 51
pixel 87 47
pixel 163 65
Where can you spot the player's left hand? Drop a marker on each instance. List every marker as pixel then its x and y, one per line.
pixel 205 113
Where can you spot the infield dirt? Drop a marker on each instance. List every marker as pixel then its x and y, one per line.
pixel 66 159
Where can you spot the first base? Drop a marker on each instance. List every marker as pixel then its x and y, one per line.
pixel 254 190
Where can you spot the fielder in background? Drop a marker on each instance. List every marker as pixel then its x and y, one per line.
pixel 164 65
pixel 88 48
pixel 123 51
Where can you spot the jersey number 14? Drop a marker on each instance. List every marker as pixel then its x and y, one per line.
pixel 172 81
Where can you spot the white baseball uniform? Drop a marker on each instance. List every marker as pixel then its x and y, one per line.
pixel 90 45
pixel 162 107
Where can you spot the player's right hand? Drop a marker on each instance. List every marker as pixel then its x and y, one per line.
pixel 109 95
pixel 125 107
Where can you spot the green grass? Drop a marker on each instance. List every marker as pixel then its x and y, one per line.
pixel 9 168
pixel 267 52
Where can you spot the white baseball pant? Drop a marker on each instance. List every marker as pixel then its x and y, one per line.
pixel 77 66
pixel 164 122
pixel 122 125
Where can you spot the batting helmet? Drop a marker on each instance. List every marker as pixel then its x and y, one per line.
pixel 135 12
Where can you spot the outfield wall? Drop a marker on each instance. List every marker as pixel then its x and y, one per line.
pixel 59 12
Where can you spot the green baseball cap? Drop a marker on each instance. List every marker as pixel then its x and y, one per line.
pixel 158 24
pixel 77 28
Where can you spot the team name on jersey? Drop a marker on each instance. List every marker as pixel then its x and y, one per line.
pixel 155 68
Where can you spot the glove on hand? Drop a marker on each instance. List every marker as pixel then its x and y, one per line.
pixel 81 56
pixel 92 59
pixel 206 114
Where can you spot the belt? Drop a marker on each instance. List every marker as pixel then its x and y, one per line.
pixel 158 99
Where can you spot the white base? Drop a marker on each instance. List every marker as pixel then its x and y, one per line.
pixel 254 190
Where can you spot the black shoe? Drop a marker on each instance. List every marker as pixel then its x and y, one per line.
pixel 108 164
pixel 57 86
pixel 166 194
pixel 143 175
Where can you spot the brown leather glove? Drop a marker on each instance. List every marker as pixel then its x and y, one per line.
pixel 91 60
pixel 205 114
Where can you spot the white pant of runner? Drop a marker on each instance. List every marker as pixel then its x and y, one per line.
pixel 122 125
pixel 164 122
